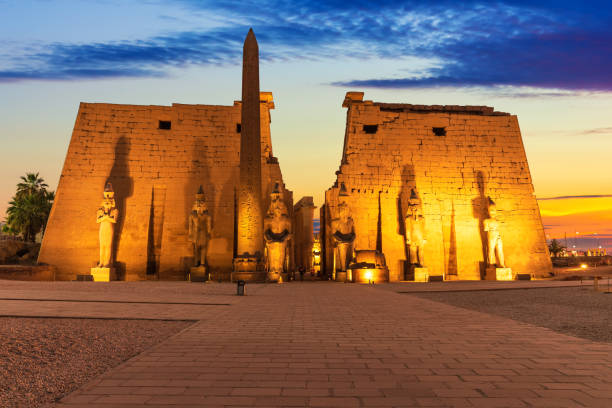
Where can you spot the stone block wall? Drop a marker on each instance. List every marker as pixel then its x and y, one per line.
pixel 155 173
pixel 454 157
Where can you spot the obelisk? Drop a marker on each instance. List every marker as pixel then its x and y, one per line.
pixel 250 217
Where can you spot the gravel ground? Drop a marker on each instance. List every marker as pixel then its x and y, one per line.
pixel 42 360
pixel 574 311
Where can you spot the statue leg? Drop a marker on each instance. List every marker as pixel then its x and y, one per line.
pixel 334 263
pixel 414 259
pixel 203 255
pixel 342 250
pixel 500 253
pixel 103 249
pixel 491 253
pixel 102 255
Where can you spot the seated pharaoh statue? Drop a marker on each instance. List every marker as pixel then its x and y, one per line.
pixel 415 230
pixel 200 227
pixel 343 233
pixel 107 216
pixel 277 232
pixel 495 249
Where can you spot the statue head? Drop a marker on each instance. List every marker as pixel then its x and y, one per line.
pixel 109 197
pixel 277 210
pixel 344 211
pixel 343 208
pixel 200 203
pixel 492 208
pixel 275 195
pixel 414 204
pixel 277 205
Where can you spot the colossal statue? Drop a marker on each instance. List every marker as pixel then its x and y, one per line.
pixel 277 232
pixel 200 227
pixel 107 218
pixel 415 230
pixel 343 233
pixel 494 247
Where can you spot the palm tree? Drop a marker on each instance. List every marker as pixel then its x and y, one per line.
pixel 29 209
pixel 31 184
pixel 555 248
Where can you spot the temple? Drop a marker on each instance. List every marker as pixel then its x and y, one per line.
pixel 423 193
pixel 431 172
pixel 156 157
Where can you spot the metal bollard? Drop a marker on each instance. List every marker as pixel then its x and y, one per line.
pixel 240 288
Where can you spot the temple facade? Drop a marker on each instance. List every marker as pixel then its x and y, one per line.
pixel 156 158
pixel 436 173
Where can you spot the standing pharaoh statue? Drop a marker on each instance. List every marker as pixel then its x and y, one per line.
pixel 343 234
pixel 200 227
pixel 495 250
pixel 277 232
pixel 107 218
pixel 415 230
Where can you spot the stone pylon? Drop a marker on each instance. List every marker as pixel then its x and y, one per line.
pixel 250 217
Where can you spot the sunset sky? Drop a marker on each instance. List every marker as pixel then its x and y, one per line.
pixel 549 64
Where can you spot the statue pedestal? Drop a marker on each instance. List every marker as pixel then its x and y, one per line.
pixel 369 275
pixel 248 269
pixel 103 274
pixel 198 274
pixel 421 274
pixel 499 274
pixel 274 277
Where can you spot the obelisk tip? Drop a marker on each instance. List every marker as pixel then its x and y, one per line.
pixel 250 36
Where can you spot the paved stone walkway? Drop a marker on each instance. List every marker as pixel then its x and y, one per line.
pixel 117 300
pixel 346 345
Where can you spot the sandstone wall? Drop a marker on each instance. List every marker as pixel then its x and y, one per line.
pixel 480 155
pixel 155 174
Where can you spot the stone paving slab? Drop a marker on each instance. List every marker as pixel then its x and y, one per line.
pixel 117 300
pixel 343 345
pixel 461 286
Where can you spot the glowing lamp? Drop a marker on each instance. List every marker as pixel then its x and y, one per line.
pixel 368 275
pixel 583 266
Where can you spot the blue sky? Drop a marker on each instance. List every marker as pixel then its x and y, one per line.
pixel 549 63
pixel 553 45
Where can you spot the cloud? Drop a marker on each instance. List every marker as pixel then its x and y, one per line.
pixel 554 45
pixel 576 196
pixel 598 131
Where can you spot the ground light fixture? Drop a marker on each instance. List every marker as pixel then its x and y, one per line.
pixel 240 288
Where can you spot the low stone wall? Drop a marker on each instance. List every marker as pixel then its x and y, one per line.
pixel 27 272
